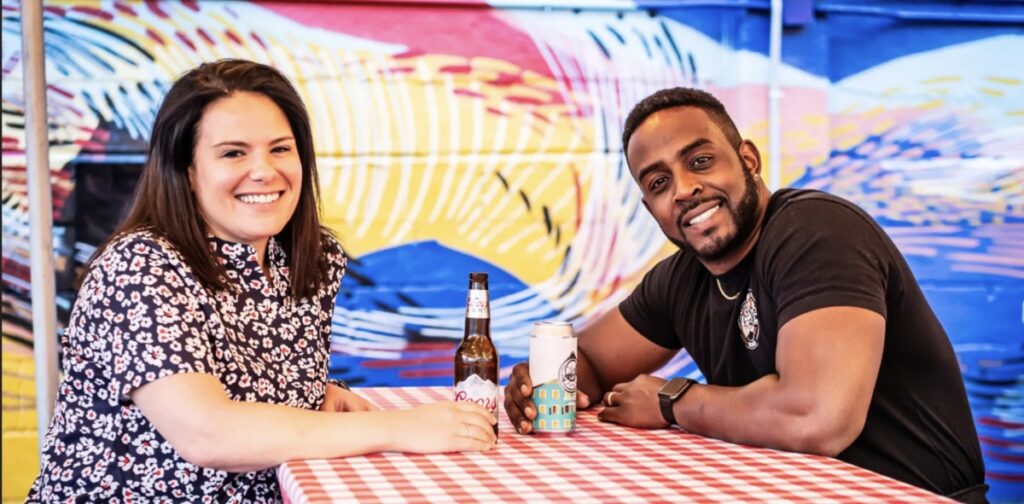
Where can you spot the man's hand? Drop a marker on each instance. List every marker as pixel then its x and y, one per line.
pixel 634 404
pixel 337 399
pixel 519 399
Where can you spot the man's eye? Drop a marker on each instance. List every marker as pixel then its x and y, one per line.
pixel 701 162
pixel 657 184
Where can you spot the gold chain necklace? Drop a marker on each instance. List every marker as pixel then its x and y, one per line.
pixel 726 296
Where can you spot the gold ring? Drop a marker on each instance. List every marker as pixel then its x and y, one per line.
pixel 608 399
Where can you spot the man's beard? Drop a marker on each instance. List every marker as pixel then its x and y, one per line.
pixel 744 216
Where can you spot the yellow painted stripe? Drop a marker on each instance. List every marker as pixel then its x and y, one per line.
pixel 936 80
pixel 1009 81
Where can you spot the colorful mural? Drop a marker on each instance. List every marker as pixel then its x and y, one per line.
pixel 493 145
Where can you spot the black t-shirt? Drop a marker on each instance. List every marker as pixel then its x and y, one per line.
pixel 817 250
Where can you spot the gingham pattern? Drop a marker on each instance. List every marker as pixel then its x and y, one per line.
pixel 599 463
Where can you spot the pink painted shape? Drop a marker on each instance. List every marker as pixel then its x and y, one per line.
pixel 481 33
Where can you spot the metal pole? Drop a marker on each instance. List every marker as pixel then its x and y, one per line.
pixel 40 211
pixel 774 96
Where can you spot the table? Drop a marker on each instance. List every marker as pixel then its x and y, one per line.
pixel 599 463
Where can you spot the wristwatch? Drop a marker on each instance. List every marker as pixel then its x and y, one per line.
pixel 669 393
pixel 338 383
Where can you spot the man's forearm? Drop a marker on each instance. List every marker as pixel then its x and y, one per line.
pixel 586 379
pixel 762 413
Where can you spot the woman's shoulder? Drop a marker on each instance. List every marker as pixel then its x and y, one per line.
pixel 135 248
pixel 332 249
pixel 140 242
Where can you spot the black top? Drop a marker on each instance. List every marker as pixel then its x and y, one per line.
pixel 141 315
pixel 817 250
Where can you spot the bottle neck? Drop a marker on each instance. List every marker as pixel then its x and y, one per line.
pixel 478 327
pixel 478 311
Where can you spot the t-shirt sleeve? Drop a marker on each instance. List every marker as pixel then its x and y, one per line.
pixel 821 253
pixel 337 263
pixel 648 307
pixel 141 317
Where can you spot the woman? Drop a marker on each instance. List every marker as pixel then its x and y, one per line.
pixel 196 355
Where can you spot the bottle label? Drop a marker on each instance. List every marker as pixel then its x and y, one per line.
pixel 477 305
pixel 477 390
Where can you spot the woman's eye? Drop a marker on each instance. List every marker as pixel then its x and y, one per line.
pixel 282 148
pixel 232 154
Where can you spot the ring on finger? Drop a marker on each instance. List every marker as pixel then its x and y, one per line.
pixel 608 399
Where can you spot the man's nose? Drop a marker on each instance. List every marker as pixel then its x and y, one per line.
pixel 687 186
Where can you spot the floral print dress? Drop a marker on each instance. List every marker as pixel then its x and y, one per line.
pixel 141 314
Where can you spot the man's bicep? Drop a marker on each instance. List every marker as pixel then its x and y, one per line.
pixel 828 362
pixel 617 352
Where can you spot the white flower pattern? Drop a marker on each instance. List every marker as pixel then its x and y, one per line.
pixel 141 315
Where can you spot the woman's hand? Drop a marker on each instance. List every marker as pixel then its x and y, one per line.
pixel 445 427
pixel 337 399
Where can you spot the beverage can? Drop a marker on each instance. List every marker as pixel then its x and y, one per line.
pixel 553 373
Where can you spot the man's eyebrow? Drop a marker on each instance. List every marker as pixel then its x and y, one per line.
pixel 685 151
pixel 692 146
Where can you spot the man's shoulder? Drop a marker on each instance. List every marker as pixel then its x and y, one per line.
pixel 811 205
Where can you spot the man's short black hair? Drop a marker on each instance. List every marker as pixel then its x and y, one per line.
pixel 681 97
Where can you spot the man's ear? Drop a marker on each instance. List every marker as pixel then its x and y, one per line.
pixel 751 157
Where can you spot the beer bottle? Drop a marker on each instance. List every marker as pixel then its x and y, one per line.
pixel 476 360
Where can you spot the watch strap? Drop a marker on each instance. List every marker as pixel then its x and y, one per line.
pixel 666 402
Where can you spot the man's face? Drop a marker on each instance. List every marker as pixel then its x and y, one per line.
pixel 700 188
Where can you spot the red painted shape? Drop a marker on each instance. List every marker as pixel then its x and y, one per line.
pixel 481 30
pixel 411 53
pixel 60 91
pixel 506 79
pixel 153 35
pixel 468 92
pixel 524 100
pixel 52 9
pixel 428 373
pixel 205 36
pixel 154 6
pixel 125 9
pixel 419 361
pixel 185 40
pixel 456 69
pixel 258 39
pixel 541 117
pixel 191 4
pixel 92 11
pixel 496 112
pixel 234 38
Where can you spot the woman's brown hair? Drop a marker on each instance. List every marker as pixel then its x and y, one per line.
pixel 165 204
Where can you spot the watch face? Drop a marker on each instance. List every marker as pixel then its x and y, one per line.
pixel 673 387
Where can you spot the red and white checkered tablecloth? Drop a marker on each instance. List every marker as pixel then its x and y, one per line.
pixel 599 463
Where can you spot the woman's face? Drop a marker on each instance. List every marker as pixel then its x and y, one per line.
pixel 246 172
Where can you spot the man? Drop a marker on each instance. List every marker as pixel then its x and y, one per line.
pixel 801 313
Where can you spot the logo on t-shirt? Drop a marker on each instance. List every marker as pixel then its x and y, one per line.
pixel 749 327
